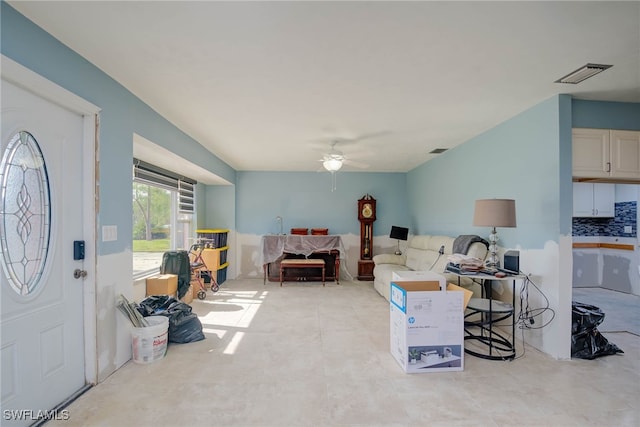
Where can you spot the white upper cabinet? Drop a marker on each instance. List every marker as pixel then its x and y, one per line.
pixel 594 200
pixel 591 158
pixel 625 154
pixel 604 153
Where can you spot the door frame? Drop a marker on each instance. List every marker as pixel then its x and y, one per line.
pixel 40 86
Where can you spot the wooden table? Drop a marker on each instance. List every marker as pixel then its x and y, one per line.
pixel 278 248
pixel 301 263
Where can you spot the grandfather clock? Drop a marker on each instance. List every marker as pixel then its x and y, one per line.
pixel 366 216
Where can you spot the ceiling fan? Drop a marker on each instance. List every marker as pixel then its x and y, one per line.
pixel 333 160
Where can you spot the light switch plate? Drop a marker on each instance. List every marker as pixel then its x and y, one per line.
pixel 109 233
pixel 627 229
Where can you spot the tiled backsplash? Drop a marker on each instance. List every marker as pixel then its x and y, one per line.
pixel 626 215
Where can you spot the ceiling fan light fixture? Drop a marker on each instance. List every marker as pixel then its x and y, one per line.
pixel 583 73
pixel 332 165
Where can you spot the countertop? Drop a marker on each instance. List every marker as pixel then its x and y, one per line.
pixel 605 242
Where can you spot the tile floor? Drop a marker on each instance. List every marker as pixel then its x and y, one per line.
pixel 304 355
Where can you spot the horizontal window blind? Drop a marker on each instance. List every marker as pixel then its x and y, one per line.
pixel 151 174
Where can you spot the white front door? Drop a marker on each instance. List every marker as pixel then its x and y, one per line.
pixel 41 214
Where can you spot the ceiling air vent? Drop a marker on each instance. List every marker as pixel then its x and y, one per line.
pixel 583 73
pixel 438 150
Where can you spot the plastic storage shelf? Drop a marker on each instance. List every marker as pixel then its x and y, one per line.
pixel 215 251
pixel 214 258
pixel 221 274
pixel 213 238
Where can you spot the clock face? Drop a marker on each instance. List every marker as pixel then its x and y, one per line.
pixel 367 212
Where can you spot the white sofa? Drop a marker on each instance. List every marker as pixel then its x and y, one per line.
pixel 423 254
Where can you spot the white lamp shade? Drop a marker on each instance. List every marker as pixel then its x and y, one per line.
pixel 332 165
pixel 495 213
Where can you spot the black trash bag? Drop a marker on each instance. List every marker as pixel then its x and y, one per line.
pixel 184 326
pixel 585 317
pixel 155 305
pixel 177 262
pixel 586 341
pixel 591 344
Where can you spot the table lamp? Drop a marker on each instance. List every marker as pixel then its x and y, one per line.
pixel 399 233
pixel 494 213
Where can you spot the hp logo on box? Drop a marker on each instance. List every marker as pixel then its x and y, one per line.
pixel 412 320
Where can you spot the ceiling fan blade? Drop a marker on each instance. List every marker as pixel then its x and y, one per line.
pixel 370 135
pixel 331 156
pixel 355 164
pixel 345 140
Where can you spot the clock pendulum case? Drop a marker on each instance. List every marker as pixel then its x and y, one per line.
pixel 366 216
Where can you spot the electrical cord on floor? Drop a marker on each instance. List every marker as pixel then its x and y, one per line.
pixel 527 317
pixel 524 348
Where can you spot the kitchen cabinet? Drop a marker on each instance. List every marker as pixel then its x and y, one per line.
pixel 605 153
pixel 594 200
pixel 625 154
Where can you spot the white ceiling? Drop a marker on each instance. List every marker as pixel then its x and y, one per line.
pixel 267 85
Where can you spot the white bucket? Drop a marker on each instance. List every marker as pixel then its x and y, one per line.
pixel 150 342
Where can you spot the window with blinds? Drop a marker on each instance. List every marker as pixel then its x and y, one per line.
pixel 163 215
pixel 154 175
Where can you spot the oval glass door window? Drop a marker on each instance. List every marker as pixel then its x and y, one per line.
pixel 25 213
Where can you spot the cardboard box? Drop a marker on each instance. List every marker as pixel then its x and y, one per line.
pixel 162 284
pixel 430 276
pixel 466 292
pixel 427 326
pixel 195 287
pixel 418 276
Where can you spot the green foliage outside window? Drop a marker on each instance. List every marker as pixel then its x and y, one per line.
pixel 151 212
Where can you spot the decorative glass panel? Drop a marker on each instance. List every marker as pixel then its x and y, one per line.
pixel 25 213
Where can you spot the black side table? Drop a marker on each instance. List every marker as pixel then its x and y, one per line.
pixel 490 311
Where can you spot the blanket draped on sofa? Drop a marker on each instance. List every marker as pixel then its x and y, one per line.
pixel 463 242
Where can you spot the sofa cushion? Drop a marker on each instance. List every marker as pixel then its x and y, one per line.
pixel 423 252
pixel 382 274
pixel 389 259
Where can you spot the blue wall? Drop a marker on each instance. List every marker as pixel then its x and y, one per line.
pixel 527 158
pixel 606 115
pixel 305 199
pixel 220 207
pixel 518 159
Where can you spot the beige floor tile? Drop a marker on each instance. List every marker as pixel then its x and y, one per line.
pixel 307 355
